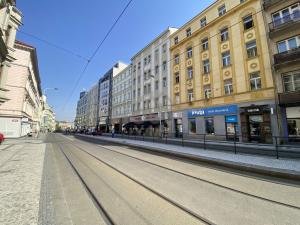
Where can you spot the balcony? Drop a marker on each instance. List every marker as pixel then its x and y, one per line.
pixel 287 58
pixel 269 3
pixel 285 23
pixel 289 98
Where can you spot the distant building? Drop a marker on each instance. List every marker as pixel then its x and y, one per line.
pixel 81 111
pixel 92 107
pixel 22 113
pixel 64 125
pixel 121 98
pixel 105 96
pixel 48 122
pixel 10 20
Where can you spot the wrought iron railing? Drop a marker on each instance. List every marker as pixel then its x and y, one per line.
pixel 288 19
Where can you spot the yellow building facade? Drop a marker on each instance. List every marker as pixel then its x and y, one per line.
pixel 221 72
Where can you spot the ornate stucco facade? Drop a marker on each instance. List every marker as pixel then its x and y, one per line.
pixel 221 59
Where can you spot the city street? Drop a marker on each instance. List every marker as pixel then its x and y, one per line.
pixel 112 184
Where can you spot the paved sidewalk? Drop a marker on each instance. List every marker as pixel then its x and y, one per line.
pixel 264 164
pixel 21 165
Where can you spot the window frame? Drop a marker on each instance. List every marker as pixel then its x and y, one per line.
pixel 190 73
pixel 206 66
pixel 257 85
pixel 292 75
pixel 247 22
pixel 224 34
pixel 226 59
pixel 251 50
pixel 222 10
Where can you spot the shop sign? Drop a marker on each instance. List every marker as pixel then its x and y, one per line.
pixel 253 110
pixel 214 111
pixel 14 120
pixel 177 115
pixel 231 119
pixel 144 118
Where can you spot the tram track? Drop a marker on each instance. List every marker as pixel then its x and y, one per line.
pixel 102 208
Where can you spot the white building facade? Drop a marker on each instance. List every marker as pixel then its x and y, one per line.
pixel 151 102
pixel 81 112
pixel 105 97
pixel 22 113
pixel 121 99
pixel 92 107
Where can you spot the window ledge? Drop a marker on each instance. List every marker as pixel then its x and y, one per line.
pixel 224 67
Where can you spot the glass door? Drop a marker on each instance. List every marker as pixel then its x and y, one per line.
pixel 255 126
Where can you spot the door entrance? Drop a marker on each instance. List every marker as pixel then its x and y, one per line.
pixel 255 128
pixel 178 128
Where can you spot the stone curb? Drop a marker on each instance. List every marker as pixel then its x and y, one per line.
pixel 263 170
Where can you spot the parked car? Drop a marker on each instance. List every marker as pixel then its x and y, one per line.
pixel 2 138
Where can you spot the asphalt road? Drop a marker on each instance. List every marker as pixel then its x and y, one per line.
pixel 120 185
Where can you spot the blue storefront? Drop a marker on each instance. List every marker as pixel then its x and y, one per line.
pixel 221 120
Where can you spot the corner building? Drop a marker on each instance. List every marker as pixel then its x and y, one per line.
pixel 283 23
pixel 222 82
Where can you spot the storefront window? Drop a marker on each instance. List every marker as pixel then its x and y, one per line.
pixel 192 126
pixel 294 127
pixel 209 125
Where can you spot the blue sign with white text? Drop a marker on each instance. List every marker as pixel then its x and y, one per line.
pixel 214 111
pixel 231 119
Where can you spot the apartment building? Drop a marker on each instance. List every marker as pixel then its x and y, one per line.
pixel 222 83
pixel 151 102
pixel 81 111
pixel 10 20
pixel 105 96
pixel 121 98
pixel 92 107
pixel 22 113
pixel 283 23
pixel 48 122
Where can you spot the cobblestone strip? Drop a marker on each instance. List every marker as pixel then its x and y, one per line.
pixel 20 177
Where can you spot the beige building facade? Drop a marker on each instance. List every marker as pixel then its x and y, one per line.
pixel 282 20
pixel 222 83
pixel 10 20
pixel 22 113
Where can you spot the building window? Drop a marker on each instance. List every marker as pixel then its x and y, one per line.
pixel 224 34
pixel 145 89
pixel 189 52
pixel 164 47
pixel 177 78
pixel 251 49
pixel 139 92
pixel 156 102
pixel 149 104
pixel 156 85
pixel 145 61
pixel 286 15
pixel 242 1
pixel 228 88
pixel 156 70
pixel 203 22
pixel 190 73
pixel 190 95
pixel 226 59
pixel 149 89
pixel 248 22
pixel 188 32
pixel 165 101
pixel 165 83
pixel 291 81
pixel 164 66
pixel 209 125
pixel 206 67
pixel 177 98
pixel 207 92
pixel 204 44
pixel 288 44
pixel 145 105
pixel 176 40
pixel 149 58
pixel 134 94
pixel 255 81
pixel 222 10
pixel 139 79
pixel 139 65
pixel 192 126
pixel 177 59
pixel 145 75
pixel 134 68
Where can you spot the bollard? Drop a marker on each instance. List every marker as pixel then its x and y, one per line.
pixel 204 141
pixel 235 150
pixel 277 153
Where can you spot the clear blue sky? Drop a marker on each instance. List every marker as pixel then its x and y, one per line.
pixel 80 25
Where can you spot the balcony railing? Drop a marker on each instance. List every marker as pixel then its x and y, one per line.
pixel 283 21
pixel 287 57
pixel 268 3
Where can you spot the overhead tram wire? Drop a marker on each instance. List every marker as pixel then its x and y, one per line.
pixel 54 45
pixel 95 52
